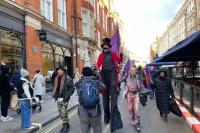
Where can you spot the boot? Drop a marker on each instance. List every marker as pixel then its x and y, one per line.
pixel 161 115
pixel 106 119
pixel 65 128
pixel 165 117
pixel 138 128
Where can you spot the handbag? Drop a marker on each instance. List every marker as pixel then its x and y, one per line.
pixel 13 100
pixel 173 107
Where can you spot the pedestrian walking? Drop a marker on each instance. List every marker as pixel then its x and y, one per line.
pixel 153 80
pixel 133 86
pixel 25 95
pixel 39 86
pixel 89 111
pixel 5 92
pixel 62 90
pixel 163 93
pixel 108 62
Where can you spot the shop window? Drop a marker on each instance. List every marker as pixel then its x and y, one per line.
pixel 59 58
pixel 10 49
pixel 47 58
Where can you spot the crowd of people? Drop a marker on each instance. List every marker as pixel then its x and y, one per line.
pixel 105 81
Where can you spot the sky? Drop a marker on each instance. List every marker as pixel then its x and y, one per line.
pixel 144 20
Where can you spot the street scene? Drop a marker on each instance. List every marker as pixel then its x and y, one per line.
pixel 99 66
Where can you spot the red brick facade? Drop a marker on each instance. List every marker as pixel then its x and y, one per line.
pixel 34 60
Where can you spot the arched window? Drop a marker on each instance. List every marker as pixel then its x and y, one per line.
pixel 59 58
pixel 10 49
pixel 47 58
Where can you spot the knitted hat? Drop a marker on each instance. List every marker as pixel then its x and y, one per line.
pixel 24 73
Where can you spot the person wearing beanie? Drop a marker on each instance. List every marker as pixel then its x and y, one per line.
pixel 25 95
pixel 90 117
pixel 5 92
pixel 108 63
pixel 63 88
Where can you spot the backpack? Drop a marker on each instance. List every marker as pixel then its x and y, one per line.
pixel 89 95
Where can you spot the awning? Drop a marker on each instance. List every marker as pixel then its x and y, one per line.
pixel 186 50
pixel 161 63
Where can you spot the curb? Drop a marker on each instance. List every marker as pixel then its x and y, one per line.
pixel 193 122
pixel 49 121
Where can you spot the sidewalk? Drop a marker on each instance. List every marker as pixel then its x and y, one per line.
pixel 49 113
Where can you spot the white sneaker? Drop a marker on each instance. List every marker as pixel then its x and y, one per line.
pixel 30 127
pixel 8 118
pixel 3 118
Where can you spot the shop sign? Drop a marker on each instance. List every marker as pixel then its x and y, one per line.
pixel 43 35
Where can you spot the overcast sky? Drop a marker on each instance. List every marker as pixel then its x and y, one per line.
pixel 144 20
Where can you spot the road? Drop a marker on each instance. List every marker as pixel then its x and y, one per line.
pixel 150 122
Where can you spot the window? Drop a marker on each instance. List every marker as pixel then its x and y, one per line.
pixel 98 14
pixel 59 58
pixel 62 22
pixel 103 19
pixel 95 10
pixel 10 49
pixel 47 9
pixel 85 23
pixel 92 26
pixel 99 39
pixel 91 2
pixel 47 58
pixel 106 23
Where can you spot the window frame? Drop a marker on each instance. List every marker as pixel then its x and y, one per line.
pixel 62 13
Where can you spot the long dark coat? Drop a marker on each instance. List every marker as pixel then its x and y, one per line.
pixel 163 92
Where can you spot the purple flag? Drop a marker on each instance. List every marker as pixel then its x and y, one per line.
pixel 148 78
pixel 126 67
pixel 115 42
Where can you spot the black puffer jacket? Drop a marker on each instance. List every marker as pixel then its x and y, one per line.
pixel 163 92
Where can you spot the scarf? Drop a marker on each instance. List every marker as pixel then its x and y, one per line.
pixel 56 84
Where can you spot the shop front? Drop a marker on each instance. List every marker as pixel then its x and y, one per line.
pixel 56 51
pixel 12 46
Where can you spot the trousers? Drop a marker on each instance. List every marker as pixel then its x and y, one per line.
pixel 109 79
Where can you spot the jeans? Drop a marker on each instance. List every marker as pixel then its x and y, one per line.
pixel 26 112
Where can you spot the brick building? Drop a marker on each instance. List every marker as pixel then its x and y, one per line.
pixel 43 34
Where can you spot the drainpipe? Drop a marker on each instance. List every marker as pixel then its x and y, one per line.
pixel 75 31
pixel 110 20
